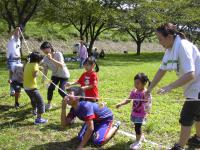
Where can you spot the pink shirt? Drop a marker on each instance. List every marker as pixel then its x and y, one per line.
pixel 141 105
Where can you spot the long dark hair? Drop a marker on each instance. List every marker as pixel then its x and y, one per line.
pixel 170 29
pixel 143 78
pixel 91 61
pixel 46 45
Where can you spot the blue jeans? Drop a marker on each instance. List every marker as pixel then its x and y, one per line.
pixel 82 60
pixel 36 100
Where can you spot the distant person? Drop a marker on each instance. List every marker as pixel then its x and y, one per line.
pixel 96 53
pixel 54 61
pixel 13 54
pixel 89 80
pixel 140 107
pixel 183 57
pixel 98 121
pixel 31 70
pixel 102 54
pixel 83 53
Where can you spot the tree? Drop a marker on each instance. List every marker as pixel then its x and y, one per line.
pixel 18 12
pixel 89 17
pixel 139 21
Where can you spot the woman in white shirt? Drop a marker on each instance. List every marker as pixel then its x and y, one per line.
pixel 184 58
pixel 54 61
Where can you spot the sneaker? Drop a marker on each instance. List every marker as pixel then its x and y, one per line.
pixel 48 107
pixel 176 147
pixel 136 145
pixel 117 124
pixel 40 121
pixel 194 141
pixel 16 105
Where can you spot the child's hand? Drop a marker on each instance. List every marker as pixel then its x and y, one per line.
pixel 67 85
pixel 118 106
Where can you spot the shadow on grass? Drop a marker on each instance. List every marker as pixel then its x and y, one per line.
pixel 68 145
pixel 57 126
pixel 120 146
pixel 18 116
pixel 4 108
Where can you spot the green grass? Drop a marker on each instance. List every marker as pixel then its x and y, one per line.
pixel 117 71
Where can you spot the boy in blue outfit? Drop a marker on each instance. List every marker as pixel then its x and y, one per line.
pixel 98 120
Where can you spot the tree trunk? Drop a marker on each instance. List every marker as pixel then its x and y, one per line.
pixel 86 36
pixel 138 47
pixel 91 46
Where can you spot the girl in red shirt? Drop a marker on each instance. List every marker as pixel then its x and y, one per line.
pixel 89 80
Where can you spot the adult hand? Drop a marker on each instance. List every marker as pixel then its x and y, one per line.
pixel 165 89
pixel 49 55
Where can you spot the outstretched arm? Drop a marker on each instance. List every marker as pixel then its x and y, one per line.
pixel 180 82
pixel 123 103
pixel 159 75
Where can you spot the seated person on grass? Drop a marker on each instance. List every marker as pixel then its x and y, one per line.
pixel 98 120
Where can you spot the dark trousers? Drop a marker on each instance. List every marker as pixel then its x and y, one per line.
pixel 36 100
pixel 138 128
pixel 56 81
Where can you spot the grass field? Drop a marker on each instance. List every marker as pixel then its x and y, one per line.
pixel 17 130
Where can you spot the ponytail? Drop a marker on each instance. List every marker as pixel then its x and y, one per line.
pixel 96 67
pixel 181 34
pixel 92 61
pixel 170 29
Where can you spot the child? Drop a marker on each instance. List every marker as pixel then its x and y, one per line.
pixel 30 85
pixel 98 121
pixel 16 82
pixel 140 108
pixel 89 80
pixel 54 61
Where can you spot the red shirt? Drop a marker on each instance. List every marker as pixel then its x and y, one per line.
pixel 89 78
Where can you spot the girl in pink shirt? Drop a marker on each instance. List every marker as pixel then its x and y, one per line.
pixel 140 108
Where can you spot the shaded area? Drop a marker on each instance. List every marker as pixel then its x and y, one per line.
pixel 68 145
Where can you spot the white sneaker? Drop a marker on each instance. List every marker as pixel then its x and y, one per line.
pixel 48 107
pixel 135 146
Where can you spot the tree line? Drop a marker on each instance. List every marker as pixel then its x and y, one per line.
pixel 137 18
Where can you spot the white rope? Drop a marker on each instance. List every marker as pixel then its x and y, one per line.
pixel 25 41
pixel 103 98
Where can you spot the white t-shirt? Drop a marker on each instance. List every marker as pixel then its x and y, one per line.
pixel 57 71
pixel 188 61
pixel 13 48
